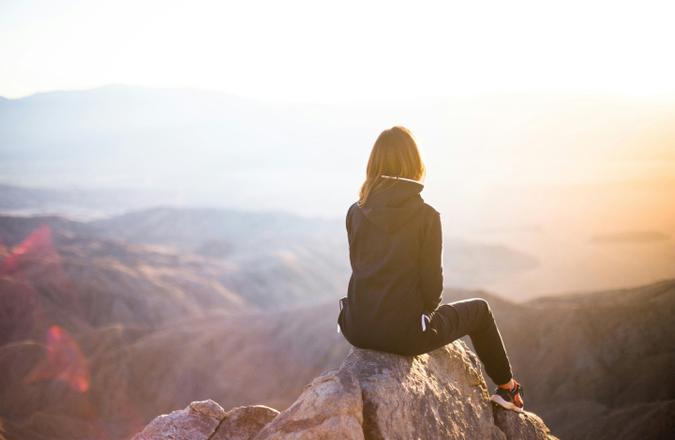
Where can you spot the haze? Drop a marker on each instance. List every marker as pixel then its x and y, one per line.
pixel 547 129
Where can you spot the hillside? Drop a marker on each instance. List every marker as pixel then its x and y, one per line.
pixel 272 259
pixel 592 359
pixel 99 334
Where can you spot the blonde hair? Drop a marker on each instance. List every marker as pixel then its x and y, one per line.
pixel 394 153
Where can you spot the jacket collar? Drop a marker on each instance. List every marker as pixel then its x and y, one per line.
pixel 391 207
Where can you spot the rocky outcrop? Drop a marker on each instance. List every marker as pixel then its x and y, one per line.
pixel 208 420
pixel 373 395
pixel 526 425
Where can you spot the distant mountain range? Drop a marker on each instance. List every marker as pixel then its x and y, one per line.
pixel 274 259
pixel 217 149
pixel 536 191
pixel 76 203
pixel 105 324
pixel 200 147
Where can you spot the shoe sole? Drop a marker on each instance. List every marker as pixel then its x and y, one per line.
pixel 499 400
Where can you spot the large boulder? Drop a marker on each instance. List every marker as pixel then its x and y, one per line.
pixel 373 395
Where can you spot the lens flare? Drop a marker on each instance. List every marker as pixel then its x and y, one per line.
pixel 64 361
pixel 38 245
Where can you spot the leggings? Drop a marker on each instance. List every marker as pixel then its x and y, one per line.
pixel 473 317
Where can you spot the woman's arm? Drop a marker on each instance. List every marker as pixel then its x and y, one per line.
pixel 348 222
pixel 431 264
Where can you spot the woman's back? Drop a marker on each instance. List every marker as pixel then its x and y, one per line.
pixel 395 247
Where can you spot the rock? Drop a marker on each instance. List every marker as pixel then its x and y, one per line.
pixel 206 420
pixel 244 422
pixel 198 421
pixel 521 425
pixel 329 407
pixel 373 395
pixel 437 395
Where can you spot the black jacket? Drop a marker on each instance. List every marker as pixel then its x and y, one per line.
pixel 395 251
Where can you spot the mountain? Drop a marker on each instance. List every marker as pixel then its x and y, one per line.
pixel 224 150
pixel 76 203
pixel 99 334
pixel 265 257
pixel 136 374
pixel 590 360
pixel 60 274
pixel 85 318
pixel 569 351
pixel 523 262
pixel 538 176
pixel 272 259
pixel 208 148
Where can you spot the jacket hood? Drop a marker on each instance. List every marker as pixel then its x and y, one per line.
pixel 394 206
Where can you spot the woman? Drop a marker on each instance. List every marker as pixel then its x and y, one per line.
pixel 395 248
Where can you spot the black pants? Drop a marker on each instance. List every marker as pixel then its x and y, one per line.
pixel 472 317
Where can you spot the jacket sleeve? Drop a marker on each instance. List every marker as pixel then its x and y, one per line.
pixel 431 263
pixel 348 223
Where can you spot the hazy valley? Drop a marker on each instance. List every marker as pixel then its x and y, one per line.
pixel 160 246
pixel 108 323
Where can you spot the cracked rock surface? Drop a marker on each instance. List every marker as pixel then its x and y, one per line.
pixel 206 420
pixel 373 395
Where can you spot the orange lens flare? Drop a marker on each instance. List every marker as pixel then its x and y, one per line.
pixel 63 361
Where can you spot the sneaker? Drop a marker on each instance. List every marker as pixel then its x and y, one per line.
pixel 507 398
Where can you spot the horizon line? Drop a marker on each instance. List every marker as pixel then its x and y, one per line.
pixel 550 93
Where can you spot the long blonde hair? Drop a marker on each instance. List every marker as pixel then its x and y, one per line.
pixel 394 153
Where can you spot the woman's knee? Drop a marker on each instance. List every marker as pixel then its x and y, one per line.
pixel 483 306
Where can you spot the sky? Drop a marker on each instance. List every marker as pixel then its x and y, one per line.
pixel 339 51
